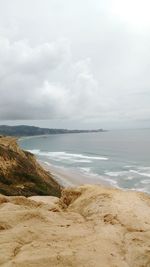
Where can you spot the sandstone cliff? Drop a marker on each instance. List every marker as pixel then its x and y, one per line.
pixel 20 174
pixel 90 226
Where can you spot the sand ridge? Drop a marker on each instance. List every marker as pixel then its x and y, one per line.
pixel 89 226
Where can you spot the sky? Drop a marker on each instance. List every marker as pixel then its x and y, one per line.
pixel 75 63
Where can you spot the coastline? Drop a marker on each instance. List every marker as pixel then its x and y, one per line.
pixel 70 166
pixel 88 225
pixel 66 177
pixel 73 178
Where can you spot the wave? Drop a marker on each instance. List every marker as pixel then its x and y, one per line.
pixel 89 173
pixel 34 151
pixel 112 182
pixel 137 178
pixel 144 168
pixel 116 174
pixel 140 173
pixel 62 155
pixel 130 177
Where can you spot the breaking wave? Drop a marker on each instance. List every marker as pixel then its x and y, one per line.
pixel 65 156
pixel 131 177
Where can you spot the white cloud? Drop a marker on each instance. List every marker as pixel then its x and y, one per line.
pixel 43 82
pixel 103 76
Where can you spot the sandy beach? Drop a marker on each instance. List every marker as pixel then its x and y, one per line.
pixel 88 225
pixel 72 177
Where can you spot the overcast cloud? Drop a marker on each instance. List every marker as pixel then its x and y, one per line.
pixel 75 63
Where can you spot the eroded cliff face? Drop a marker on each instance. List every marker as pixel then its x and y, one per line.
pixel 89 226
pixel 20 173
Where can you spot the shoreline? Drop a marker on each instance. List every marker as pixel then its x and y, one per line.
pixel 72 178
pixel 71 167
pixel 66 177
pixel 51 134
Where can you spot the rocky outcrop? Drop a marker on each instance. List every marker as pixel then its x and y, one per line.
pixel 90 226
pixel 20 173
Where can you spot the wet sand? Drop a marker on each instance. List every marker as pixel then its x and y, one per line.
pixel 70 177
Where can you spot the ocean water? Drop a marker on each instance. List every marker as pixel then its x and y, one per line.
pixel 120 158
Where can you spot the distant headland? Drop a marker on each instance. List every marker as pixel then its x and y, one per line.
pixel 25 130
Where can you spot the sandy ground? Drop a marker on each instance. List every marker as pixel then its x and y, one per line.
pixel 90 226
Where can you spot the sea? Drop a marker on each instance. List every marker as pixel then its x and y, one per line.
pixel 120 158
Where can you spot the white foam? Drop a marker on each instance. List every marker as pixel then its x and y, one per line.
pixel 47 163
pixel 58 156
pixel 35 151
pixel 111 182
pixel 80 156
pixel 116 174
pixel 140 173
pixel 129 178
pixel 87 171
pixel 144 168
pixel 81 160
pixel 128 166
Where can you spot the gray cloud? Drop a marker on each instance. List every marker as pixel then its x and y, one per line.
pixel 85 62
pixel 31 87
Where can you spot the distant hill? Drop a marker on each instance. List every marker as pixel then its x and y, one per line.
pixel 24 130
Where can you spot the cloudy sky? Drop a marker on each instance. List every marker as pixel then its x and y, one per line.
pixel 75 63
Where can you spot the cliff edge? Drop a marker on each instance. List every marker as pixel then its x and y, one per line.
pixel 89 226
pixel 20 173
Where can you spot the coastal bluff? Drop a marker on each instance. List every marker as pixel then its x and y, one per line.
pixel 89 226
pixel 21 174
pixel 43 225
